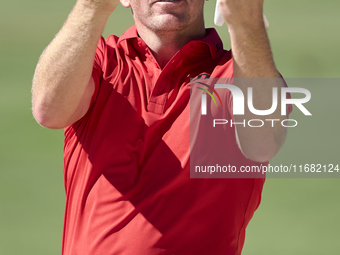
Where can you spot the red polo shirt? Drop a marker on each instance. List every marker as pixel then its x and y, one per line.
pixel 126 164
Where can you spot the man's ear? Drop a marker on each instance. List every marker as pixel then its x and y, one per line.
pixel 125 3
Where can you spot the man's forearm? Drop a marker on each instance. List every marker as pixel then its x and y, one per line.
pixel 254 67
pixel 61 87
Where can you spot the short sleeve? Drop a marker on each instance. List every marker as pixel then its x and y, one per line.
pixel 98 60
pixel 97 71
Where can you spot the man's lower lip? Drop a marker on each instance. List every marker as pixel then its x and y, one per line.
pixel 168 1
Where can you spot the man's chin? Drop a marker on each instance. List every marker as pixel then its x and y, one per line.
pixel 169 23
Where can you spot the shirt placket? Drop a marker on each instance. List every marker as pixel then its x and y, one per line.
pixel 162 87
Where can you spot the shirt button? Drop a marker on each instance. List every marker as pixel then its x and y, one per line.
pixel 161 88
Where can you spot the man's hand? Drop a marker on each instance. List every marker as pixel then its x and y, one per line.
pixel 242 14
pixel 62 84
pixel 249 40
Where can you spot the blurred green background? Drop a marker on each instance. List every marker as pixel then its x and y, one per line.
pixel 297 216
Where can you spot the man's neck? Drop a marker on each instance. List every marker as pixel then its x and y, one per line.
pixel 164 45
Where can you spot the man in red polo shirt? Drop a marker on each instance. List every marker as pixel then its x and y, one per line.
pixel 124 105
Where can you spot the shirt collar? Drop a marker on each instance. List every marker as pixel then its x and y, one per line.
pixel 212 40
pixel 128 34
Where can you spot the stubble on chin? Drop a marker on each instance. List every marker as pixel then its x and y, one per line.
pixel 166 23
